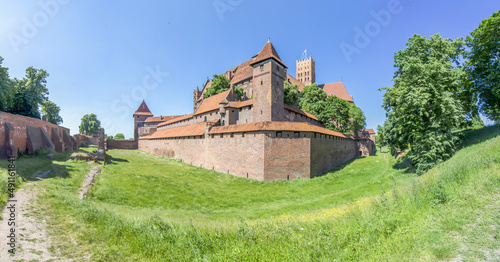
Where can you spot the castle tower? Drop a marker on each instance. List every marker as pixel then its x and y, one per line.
pixel 269 75
pixel 196 95
pixel 306 71
pixel 140 116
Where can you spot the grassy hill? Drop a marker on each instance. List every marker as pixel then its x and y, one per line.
pixel 149 208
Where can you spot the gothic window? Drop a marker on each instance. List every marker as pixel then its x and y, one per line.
pixel 232 135
pixel 296 134
pixel 279 134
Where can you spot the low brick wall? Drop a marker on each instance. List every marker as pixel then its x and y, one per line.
pixel 121 144
pixel 21 133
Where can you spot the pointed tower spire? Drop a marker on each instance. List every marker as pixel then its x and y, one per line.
pixel 268 52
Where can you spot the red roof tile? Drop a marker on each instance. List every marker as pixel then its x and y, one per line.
pixel 177 119
pixel 337 89
pixel 294 81
pixel 160 118
pixel 143 108
pixel 298 111
pixel 182 131
pixel 143 114
pixel 268 52
pixel 242 72
pixel 211 103
pixel 239 104
pixel 274 126
pixel 370 131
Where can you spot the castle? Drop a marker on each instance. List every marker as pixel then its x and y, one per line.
pixel 259 137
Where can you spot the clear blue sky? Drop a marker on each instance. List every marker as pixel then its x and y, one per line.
pixel 98 53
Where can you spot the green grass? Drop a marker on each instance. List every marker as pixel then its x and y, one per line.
pixel 151 184
pixel 148 208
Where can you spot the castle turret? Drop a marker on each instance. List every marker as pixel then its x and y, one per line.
pixel 196 95
pixel 140 116
pixel 269 75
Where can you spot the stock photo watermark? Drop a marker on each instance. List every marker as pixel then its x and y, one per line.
pixel 364 35
pixel 129 101
pixel 224 6
pixel 32 25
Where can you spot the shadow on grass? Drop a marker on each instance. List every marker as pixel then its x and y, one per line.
pixel 404 163
pixel 110 160
pixel 472 137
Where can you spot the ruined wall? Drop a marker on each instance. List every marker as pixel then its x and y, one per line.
pixel 366 147
pixel 121 144
pixel 30 133
pixel 328 152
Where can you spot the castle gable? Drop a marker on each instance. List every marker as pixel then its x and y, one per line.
pixel 337 89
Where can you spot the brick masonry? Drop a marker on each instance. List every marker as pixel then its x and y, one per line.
pixel 258 155
pixel 25 134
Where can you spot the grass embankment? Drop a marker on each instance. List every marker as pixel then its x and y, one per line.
pixel 146 207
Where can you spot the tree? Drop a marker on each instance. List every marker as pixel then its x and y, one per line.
pixel 51 111
pixel 89 125
pixel 109 137
pixel 220 83
pixel 483 66
pixel 311 99
pixel 239 92
pixel 119 136
pixel 6 88
pixel 336 113
pixel 291 94
pixel 379 138
pixel 30 93
pixel 428 99
pixel 476 122
pixel 357 119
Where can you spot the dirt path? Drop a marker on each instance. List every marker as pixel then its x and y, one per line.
pixel 32 243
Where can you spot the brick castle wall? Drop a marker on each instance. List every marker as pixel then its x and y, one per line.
pixel 258 155
pixel 121 144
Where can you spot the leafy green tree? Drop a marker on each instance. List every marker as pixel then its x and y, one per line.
pixel 119 136
pixel 6 88
pixel 311 99
pixel 380 137
pixel 51 111
pixel 220 83
pixel 357 119
pixel 109 137
pixel 89 125
pixel 335 114
pixel 428 100
pixel 483 66
pixel 239 92
pixel 30 93
pixel 291 94
pixel 476 122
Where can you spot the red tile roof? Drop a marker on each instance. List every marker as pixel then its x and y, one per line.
pixel 274 126
pixel 143 108
pixel 298 111
pixel 211 103
pixel 268 52
pixel 182 131
pixel 337 89
pixel 370 131
pixel 174 120
pixel 160 118
pixel 239 104
pixel 242 72
pixel 294 81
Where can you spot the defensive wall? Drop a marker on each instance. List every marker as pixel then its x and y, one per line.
pixel 24 134
pixel 261 155
pixel 121 144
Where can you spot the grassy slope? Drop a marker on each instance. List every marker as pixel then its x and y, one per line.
pixel 443 214
pixel 152 184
